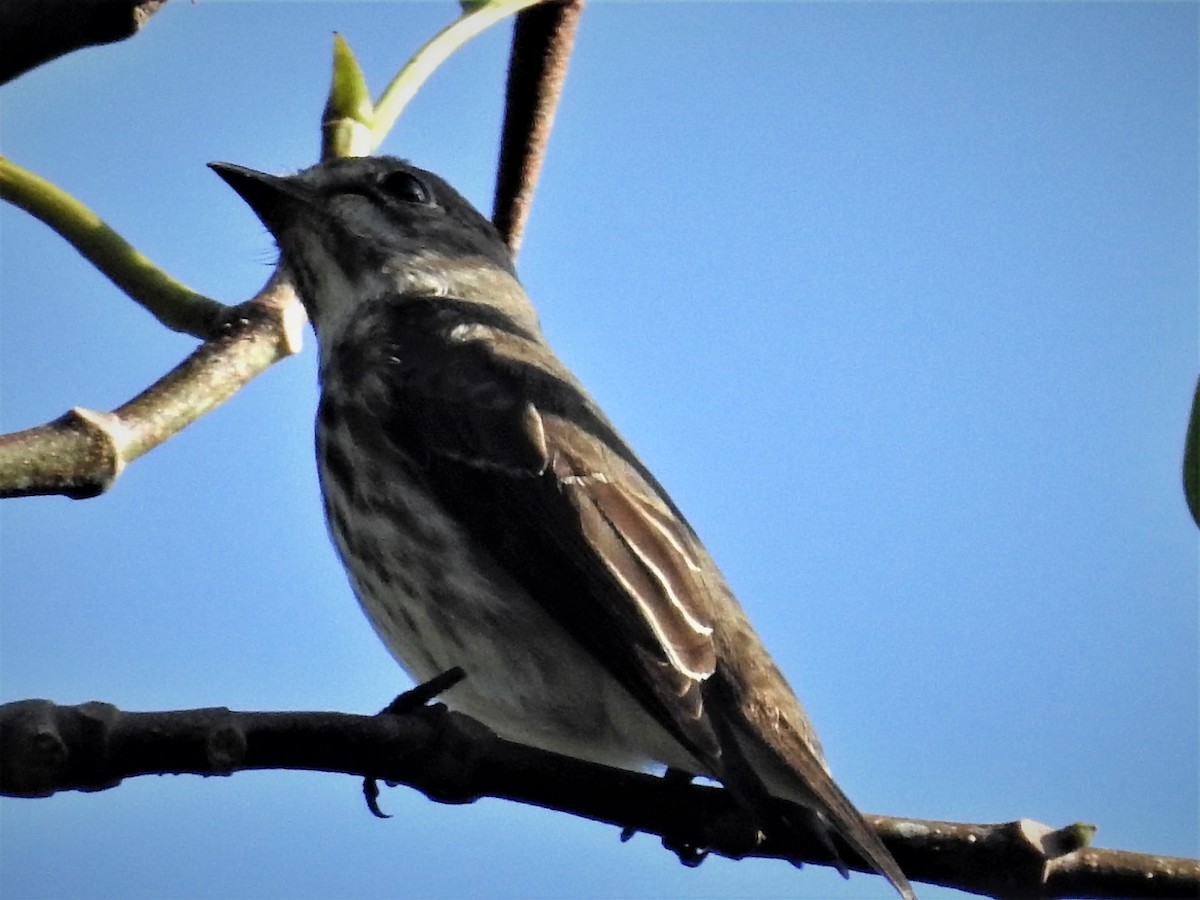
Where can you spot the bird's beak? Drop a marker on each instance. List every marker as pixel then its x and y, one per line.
pixel 270 196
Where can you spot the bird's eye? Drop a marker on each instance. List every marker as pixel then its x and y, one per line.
pixel 406 187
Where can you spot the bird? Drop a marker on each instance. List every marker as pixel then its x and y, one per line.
pixel 491 517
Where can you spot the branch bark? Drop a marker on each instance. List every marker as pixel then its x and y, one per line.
pixel 34 33
pixel 450 758
pixel 81 453
pixel 543 38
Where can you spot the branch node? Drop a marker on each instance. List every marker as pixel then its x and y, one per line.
pixel 109 437
pixel 1067 839
pixel 294 318
pixel 457 754
pixel 33 754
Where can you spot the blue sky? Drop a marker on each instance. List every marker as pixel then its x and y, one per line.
pixel 898 300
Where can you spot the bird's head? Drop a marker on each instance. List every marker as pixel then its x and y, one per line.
pixel 353 230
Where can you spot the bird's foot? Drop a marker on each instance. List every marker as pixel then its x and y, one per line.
pixel 405 704
pixel 688 853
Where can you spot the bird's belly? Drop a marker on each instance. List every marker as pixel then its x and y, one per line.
pixel 439 601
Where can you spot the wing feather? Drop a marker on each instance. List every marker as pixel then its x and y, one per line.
pixel 649 558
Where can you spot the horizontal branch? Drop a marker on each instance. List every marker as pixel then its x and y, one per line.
pixel 450 758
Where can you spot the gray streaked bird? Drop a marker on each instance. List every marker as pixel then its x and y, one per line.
pixel 491 517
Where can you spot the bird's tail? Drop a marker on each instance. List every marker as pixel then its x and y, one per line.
pixel 784 765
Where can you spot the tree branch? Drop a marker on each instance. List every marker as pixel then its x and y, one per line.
pixel 34 33
pixel 477 17
pixel 450 758
pixel 543 38
pixel 81 453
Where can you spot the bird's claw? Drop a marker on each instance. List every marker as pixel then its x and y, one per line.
pixel 408 702
pixel 688 854
pixel 371 794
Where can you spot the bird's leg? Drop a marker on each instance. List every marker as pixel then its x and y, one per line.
pixel 408 702
pixel 688 853
pixel 423 693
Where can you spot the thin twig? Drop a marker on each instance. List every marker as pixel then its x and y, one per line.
pixel 174 304
pixel 477 18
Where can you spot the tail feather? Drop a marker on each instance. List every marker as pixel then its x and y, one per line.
pixel 786 767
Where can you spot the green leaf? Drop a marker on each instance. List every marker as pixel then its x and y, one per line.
pixel 349 115
pixel 1191 459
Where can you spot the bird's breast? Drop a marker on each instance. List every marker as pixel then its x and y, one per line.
pixel 438 600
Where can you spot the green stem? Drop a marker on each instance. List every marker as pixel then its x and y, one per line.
pixel 172 303
pixel 426 60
